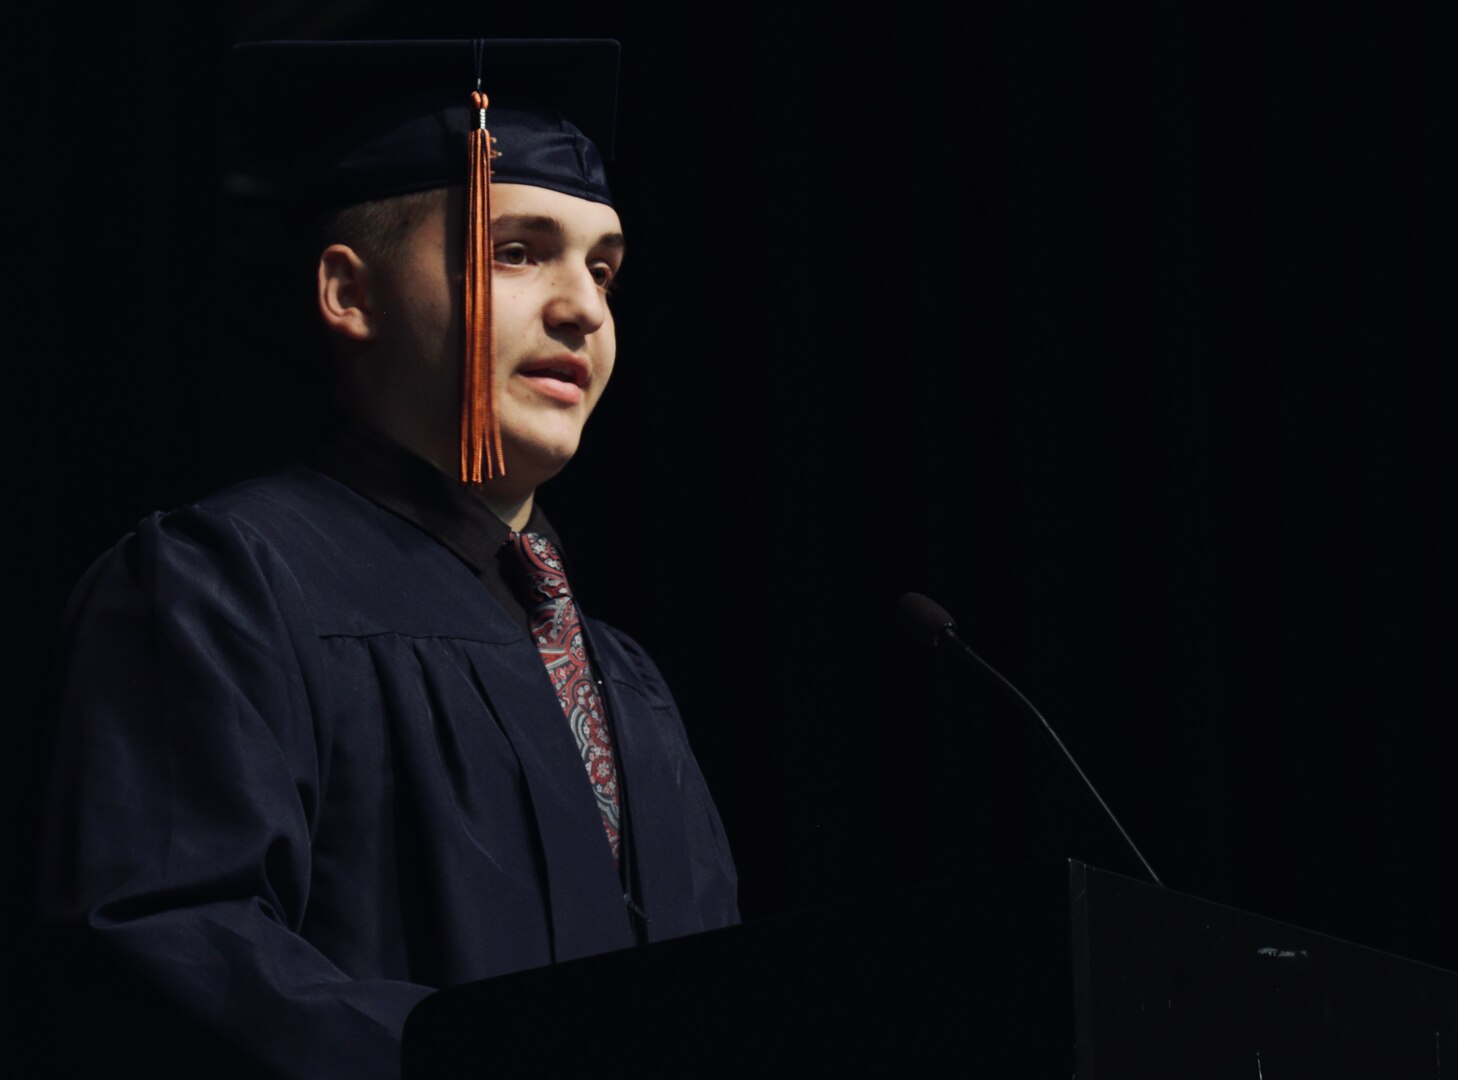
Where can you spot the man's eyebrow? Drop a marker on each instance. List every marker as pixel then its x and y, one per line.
pixel 543 223
pixel 528 223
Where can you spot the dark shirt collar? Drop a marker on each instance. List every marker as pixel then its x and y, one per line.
pixel 441 506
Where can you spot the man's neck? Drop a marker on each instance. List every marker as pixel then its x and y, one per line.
pixel 504 499
pixel 514 513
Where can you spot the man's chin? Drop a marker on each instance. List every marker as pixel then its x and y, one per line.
pixel 535 462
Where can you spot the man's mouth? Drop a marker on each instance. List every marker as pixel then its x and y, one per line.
pixel 561 378
pixel 566 369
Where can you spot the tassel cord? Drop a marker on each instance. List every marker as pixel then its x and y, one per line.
pixel 481 441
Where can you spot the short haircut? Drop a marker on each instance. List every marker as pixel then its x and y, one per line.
pixel 377 229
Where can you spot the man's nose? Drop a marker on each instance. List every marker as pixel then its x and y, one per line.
pixel 577 303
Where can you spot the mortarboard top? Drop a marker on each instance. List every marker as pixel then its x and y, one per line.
pixel 324 124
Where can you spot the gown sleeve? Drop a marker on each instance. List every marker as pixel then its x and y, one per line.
pixel 181 806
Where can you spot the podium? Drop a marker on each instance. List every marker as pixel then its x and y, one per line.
pixel 1051 970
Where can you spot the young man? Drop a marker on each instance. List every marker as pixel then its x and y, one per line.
pixel 339 736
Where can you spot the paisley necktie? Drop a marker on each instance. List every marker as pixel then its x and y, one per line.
pixel 557 632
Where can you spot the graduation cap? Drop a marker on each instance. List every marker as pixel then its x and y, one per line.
pixel 325 125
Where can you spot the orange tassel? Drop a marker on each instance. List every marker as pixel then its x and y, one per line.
pixel 480 426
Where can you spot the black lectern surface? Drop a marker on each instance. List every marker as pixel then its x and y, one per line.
pixel 1168 985
pixel 1056 970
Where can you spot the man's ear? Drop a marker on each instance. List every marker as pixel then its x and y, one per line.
pixel 347 293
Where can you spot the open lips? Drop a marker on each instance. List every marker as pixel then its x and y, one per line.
pixel 562 377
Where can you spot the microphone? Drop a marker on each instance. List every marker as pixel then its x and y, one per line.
pixel 923 618
pixel 928 622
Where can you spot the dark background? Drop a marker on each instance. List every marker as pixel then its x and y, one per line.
pixel 1118 333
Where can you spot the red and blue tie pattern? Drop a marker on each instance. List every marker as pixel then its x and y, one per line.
pixel 557 632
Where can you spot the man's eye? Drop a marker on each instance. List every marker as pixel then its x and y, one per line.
pixel 603 275
pixel 511 254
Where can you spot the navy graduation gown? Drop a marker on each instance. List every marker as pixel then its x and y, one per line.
pixel 308 769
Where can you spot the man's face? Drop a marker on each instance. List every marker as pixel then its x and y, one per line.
pixel 556 256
